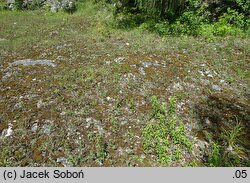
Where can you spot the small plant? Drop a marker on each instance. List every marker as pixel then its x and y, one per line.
pixel 131 104
pixel 91 136
pixel 155 140
pixel 233 151
pixel 178 153
pixel 73 160
pixel 192 164
pixel 232 136
pixel 101 153
pixel 179 137
pixel 160 136
pixel 129 135
pixel 228 152
pixel 172 106
pixel 115 125
pixel 157 107
pixel 5 157
pixel 215 156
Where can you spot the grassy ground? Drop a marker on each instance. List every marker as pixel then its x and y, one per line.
pixel 120 97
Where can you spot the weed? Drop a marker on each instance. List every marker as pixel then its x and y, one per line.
pixel 233 135
pixel 129 135
pixel 73 160
pixel 5 155
pixel 101 152
pixel 215 156
pixel 228 153
pixel 243 74
pixel 132 104
pixel 91 136
pixel 179 137
pixel 157 107
pixel 118 103
pixel 137 159
pixel 178 153
pixel 158 137
pixel 192 164
pixel 115 125
pixel 172 106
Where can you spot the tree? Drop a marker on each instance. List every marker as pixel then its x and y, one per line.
pixel 160 7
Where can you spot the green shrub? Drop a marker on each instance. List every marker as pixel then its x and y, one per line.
pixel 149 25
pixel 69 6
pixel 2 5
pixel 228 151
pixel 207 31
pixel 230 23
pixel 189 23
pixel 195 18
pixel 161 8
pixel 162 28
pixel 18 4
pixel 224 30
pixel 233 18
pixel 125 21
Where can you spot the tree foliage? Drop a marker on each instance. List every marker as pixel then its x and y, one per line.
pixel 160 7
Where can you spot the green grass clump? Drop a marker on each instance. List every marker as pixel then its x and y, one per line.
pixel 228 151
pixel 214 158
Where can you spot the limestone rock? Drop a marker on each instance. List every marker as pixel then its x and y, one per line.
pixel 30 62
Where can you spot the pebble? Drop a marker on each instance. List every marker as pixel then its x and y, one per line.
pixel 207 72
pixel 2 39
pixel 205 81
pixel 202 74
pixel 207 121
pixel 40 104
pixel 177 86
pixel 8 132
pixel 97 124
pixel 60 58
pixel 46 129
pixel 119 59
pixel 222 81
pixel 141 70
pixel 18 105
pixel 34 127
pixel 63 161
pixel 216 88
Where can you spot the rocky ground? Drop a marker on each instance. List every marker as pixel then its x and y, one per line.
pixel 75 93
